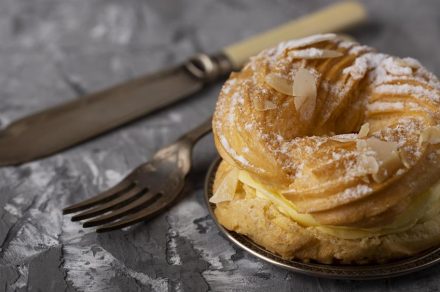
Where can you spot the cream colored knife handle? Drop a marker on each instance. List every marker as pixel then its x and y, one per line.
pixel 331 19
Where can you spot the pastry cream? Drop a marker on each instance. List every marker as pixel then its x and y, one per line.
pixel 343 144
pixel 402 222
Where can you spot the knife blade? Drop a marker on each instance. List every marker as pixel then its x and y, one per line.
pixel 68 124
pixel 60 127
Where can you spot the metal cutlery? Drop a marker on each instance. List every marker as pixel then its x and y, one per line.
pixel 65 125
pixel 146 191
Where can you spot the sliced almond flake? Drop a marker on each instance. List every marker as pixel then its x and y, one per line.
pixel 359 49
pixel 299 101
pixel 370 164
pixel 313 53
pixel 313 39
pixel 386 159
pixel 358 69
pixel 226 190
pixel 382 148
pixel 361 145
pixel 363 132
pixel 388 167
pixel 430 135
pixel 279 83
pixel 308 108
pixel 404 157
pixel 305 91
pixel 342 140
pixel 387 154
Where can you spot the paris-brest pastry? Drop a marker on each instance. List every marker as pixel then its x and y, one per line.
pixel 330 152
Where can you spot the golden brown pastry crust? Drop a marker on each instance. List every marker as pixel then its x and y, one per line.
pixel 261 221
pixel 317 159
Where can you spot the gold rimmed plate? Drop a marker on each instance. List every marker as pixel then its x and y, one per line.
pixel 348 272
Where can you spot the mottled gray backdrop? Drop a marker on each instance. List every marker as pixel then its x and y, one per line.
pixel 55 50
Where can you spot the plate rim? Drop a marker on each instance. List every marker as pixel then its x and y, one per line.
pixel 342 272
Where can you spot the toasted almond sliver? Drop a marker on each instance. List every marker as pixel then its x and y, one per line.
pixel 383 149
pixel 404 157
pixel 227 188
pixel 371 165
pixel 313 39
pixel 279 83
pixel 386 160
pixel 430 135
pixel 386 153
pixel 344 138
pixel 299 101
pixel 388 167
pixel 363 132
pixel 341 140
pixel 313 53
pixel 361 145
pixel 308 108
pixel 304 84
pixel 304 89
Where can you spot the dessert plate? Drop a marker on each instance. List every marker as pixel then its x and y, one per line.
pixel 334 271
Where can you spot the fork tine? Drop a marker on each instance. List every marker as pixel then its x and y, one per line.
pixel 130 208
pixel 139 216
pixel 113 204
pixel 101 198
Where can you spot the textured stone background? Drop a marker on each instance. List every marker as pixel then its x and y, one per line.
pixel 55 50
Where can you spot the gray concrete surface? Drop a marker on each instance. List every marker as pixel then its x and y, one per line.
pixel 54 50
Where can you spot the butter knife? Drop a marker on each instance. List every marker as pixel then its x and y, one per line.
pixel 60 127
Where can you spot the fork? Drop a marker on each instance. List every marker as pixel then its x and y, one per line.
pixel 147 191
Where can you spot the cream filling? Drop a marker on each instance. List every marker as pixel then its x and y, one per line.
pixel 401 223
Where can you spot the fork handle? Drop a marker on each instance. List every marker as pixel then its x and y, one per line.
pixel 198 132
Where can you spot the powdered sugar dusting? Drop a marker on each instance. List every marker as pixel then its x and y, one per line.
pixel 347 44
pixel 232 152
pixel 396 68
pixel 407 89
pixel 298 43
pixel 385 106
pixel 356 50
pixel 358 70
pixel 313 53
pixel 362 64
pixel 354 192
pixel 376 87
